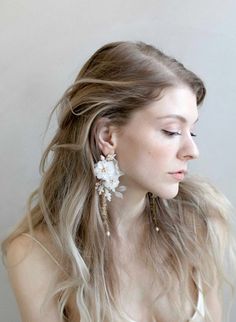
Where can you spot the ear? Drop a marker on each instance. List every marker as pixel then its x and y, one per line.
pixel 105 135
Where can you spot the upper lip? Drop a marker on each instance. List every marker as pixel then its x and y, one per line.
pixel 184 171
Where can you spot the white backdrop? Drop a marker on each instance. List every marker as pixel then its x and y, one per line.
pixel 43 46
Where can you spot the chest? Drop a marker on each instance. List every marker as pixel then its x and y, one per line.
pixel 139 288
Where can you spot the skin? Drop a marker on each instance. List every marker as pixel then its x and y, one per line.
pixel 146 154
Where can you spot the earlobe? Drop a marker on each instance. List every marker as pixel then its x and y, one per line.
pixel 105 135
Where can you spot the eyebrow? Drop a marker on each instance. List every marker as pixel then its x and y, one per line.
pixel 176 116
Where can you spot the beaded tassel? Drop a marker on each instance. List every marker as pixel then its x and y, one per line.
pixel 153 209
pixel 104 214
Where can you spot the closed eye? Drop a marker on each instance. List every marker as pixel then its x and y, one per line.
pixel 169 133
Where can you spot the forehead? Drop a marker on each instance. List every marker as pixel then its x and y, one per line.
pixel 173 101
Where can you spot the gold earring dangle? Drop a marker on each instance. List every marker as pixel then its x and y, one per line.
pixel 153 209
pixel 104 214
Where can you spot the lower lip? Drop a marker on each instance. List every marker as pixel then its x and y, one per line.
pixel 178 175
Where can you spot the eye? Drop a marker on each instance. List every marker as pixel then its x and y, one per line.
pixel 169 133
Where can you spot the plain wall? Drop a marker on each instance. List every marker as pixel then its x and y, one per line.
pixel 45 43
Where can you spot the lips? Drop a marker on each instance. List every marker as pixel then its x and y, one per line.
pixel 183 171
pixel 178 175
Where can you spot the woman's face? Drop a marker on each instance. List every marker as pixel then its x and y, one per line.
pixel 158 141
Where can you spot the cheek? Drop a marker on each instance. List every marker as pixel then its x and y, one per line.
pixel 131 153
pixel 155 162
pixel 143 155
pixel 162 153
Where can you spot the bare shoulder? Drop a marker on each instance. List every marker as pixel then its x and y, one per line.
pixel 24 248
pixel 31 271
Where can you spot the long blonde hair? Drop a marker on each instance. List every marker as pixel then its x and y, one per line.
pixel 117 80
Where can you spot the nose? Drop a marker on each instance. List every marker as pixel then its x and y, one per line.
pixel 188 150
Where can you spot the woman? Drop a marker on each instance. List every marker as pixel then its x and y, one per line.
pixel 117 230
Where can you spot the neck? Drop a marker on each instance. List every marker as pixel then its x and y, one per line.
pixel 127 214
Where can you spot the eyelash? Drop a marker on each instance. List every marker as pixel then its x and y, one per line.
pixel 169 133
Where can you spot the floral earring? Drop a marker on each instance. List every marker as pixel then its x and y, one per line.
pixel 107 173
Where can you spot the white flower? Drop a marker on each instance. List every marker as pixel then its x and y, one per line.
pixel 105 169
pixel 108 173
pixel 111 183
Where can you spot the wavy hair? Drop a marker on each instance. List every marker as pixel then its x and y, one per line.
pixel 118 79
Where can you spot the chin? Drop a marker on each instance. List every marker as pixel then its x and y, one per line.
pixel 168 193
